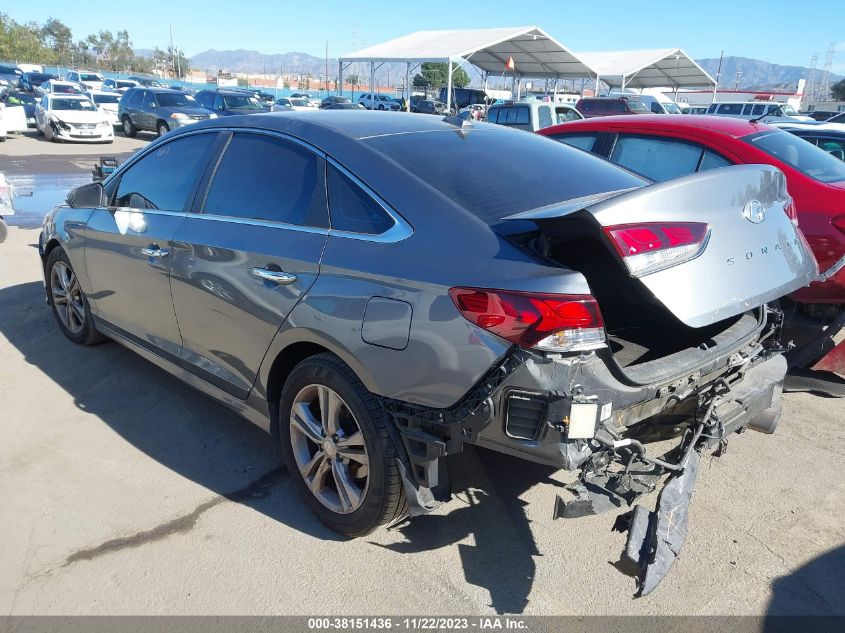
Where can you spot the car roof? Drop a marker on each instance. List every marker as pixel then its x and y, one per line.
pixel 157 90
pixel 727 126
pixel 225 91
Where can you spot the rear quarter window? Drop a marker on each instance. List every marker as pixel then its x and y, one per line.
pixel 581 141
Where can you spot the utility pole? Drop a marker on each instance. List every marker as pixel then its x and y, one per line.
pixel 736 83
pixel 172 59
pixel 327 66
pixel 718 75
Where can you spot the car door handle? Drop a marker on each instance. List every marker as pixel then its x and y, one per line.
pixel 155 251
pixel 275 276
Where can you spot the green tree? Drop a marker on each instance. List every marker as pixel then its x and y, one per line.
pixel 837 91
pixel 56 36
pixel 435 75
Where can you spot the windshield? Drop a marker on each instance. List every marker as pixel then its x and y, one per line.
pixel 65 89
pixel 90 77
pixel 177 100
pixel 671 108
pixel 106 99
pixel 637 106
pixel 126 84
pixel 788 110
pixel 798 153
pixel 298 102
pixel 80 105
pixel 242 103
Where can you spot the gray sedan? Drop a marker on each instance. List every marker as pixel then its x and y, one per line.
pixel 377 290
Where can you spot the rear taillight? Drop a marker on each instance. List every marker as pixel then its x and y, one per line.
pixel 647 248
pixel 839 223
pixel 551 322
pixel 791 210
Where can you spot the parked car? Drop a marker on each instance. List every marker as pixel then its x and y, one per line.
pixel 147 81
pixel 158 110
pixel 290 103
pixel 11 74
pixel 26 101
pixel 311 99
pixel 333 99
pixel 88 79
pixel 14 117
pixel 58 87
pixel 697 110
pixel 229 102
pixel 61 117
pixel 530 115
pixel 755 111
pixel 820 115
pixel 663 148
pixel 343 106
pixel 463 97
pixel 264 97
pixel 829 137
pixel 309 302
pixel 590 107
pixel 30 81
pixel 377 102
pixel 426 106
pixel 654 105
pixel 839 118
pixel 107 103
pixel 119 85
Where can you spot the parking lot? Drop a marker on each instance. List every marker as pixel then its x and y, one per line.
pixel 126 492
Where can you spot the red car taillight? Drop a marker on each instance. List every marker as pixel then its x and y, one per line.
pixel 549 322
pixel 839 223
pixel 647 248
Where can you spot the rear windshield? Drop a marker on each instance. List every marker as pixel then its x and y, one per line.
pixel 72 104
pixel 175 100
pixel 126 84
pixel 106 99
pixel 90 77
pixel 65 89
pixel 637 106
pixel 493 172
pixel 244 102
pixel 798 153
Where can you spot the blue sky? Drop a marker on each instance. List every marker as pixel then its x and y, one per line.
pixel 776 30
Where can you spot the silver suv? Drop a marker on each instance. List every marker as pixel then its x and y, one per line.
pixel 359 286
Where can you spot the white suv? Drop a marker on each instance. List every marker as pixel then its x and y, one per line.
pixel 377 102
pixel 85 78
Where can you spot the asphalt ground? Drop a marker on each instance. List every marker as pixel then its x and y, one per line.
pixel 123 491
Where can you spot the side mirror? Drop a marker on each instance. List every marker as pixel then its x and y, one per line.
pixel 87 196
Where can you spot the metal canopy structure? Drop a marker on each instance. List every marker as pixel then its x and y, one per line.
pixel 651 68
pixel 534 53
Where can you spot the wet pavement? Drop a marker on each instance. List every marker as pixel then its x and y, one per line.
pixel 34 195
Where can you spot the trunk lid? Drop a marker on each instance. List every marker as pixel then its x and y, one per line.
pixel 751 254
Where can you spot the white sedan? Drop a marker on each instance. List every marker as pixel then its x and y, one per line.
pixel 284 104
pixel 107 103
pixel 72 118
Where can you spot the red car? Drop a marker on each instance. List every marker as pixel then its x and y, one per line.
pixel 663 147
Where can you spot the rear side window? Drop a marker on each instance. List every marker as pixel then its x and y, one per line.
pixel 758 109
pixel 353 209
pixel 267 178
pixel 581 141
pixel 747 108
pixel 712 109
pixel 523 115
pixel 730 108
pixel 165 178
pixel 656 158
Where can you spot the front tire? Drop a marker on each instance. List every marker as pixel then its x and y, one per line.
pixel 129 128
pixel 67 301
pixel 338 449
pixel 162 128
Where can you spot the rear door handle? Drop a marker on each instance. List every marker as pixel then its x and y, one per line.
pixel 154 251
pixel 274 276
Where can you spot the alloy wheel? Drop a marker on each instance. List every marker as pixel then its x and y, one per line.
pixel 67 297
pixel 127 127
pixel 329 448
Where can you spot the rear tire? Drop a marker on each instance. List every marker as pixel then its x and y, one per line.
pixel 129 128
pixel 4 231
pixel 349 497
pixel 67 301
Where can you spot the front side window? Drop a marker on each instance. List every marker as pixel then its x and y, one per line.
pixel 352 209
pixel 758 109
pixel 266 178
pixel 241 102
pixel 656 158
pixel 164 179
pixel 799 154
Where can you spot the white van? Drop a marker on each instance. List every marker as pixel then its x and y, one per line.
pixel 531 115
pixel 657 106
pixel 770 112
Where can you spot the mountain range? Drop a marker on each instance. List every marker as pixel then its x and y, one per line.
pixel 755 74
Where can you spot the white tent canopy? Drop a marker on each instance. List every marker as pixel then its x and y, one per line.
pixel 534 52
pixel 651 68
